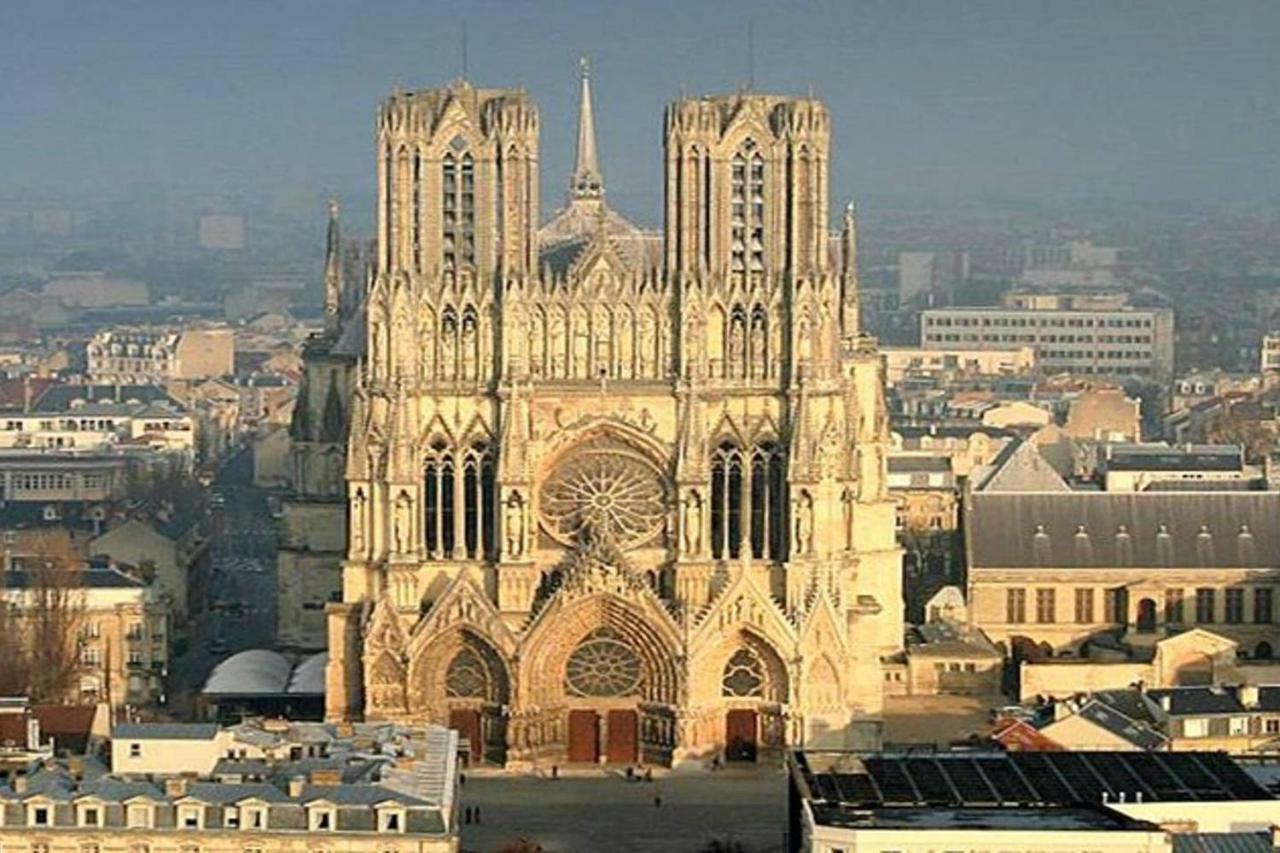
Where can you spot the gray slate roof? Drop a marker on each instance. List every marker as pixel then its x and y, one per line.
pixel 1110 530
pixel 1222 842
pixel 164 731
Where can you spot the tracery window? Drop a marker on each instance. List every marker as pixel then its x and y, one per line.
pixel 467 677
pixel 458 502
pixel 743 674
pixel 603 665
pixel 748 502
pixel 608 489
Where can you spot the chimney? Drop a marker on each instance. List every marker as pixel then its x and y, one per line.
pixel 175 787
pixel 295 786
pixel 326 776
pixel 1249 696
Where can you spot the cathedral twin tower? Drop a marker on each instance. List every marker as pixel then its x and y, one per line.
pixel 610 494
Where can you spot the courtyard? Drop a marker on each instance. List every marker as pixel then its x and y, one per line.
pixel 605 812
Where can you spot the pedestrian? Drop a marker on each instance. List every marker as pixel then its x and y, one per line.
pixel 631 773
pixel 657 801
pixel 462 780
pixel 466 815
pixel 555 771
pixel 648 774
pixel 475 814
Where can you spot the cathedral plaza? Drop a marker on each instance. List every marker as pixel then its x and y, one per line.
pixel 609 496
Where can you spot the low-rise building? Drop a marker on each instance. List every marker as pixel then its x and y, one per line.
pixel 1021 801
pixel 149 356
pixel 381 789
pixel 122 629
pixel 1055 569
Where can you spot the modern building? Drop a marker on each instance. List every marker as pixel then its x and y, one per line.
pixel 1025 801
pixel 903 363
pixel 610 498
pixel 1072 334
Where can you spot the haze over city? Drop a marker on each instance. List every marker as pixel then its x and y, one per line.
pixel 713 427
pixel 1150 101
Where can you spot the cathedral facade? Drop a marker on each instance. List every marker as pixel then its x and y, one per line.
pixel 612 495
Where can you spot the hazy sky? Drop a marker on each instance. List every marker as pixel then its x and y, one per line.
pixel 1150 100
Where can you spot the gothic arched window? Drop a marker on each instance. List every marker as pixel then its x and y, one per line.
pixel 438 501
pixel 467 203
pixel 603 665
pixel 743 674
pixel 748 502
pixel 467 677
pixel 478 502
pixel 726 501
pixel 417 210
pixel 449 213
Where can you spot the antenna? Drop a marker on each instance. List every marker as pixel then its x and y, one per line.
pixel 464 48
pixel 751 55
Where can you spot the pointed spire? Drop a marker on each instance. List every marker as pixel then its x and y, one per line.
pixel 586 182
pixel 849 318
pixel 333 272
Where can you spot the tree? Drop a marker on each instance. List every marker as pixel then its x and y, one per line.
pixel 41 622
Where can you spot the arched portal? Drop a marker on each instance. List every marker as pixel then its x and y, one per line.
pixel 602 673
pixel 754 688
pixel 460 680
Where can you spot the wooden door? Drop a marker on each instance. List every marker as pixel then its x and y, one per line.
pixel 624 737
pixel 584 736
pixel 740 735
pixel 467 723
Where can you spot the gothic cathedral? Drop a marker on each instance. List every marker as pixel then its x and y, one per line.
pixel 611 494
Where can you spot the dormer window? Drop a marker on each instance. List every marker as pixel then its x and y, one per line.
pixel 138 816
pixel 89 815
pixel 191 816
pixel 321 818
pixel 390 818
pixel 40 814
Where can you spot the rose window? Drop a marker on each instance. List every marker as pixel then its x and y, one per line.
pixel 603 665
pixel 608 490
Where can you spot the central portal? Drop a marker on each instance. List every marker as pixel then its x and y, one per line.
pixel 584 736
pixel 624 737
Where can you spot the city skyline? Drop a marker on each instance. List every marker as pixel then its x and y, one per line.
pixel 927 100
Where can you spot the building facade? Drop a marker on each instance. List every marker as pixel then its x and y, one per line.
pixel 612 497
pixel 1072 334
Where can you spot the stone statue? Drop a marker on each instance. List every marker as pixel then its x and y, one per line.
pixel 470 354
pixel 846 500
pixel 514 525
pixel 804 523
pixel 357 522
pixel 693 523
pixel 758 347
pixel 401 522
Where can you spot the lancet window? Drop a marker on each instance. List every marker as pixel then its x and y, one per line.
pixel 747 210
pixel 416 214
pixel 458 502
pixel 748 502
pixel 458 208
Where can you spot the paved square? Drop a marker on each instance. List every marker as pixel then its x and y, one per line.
pixel 607 813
